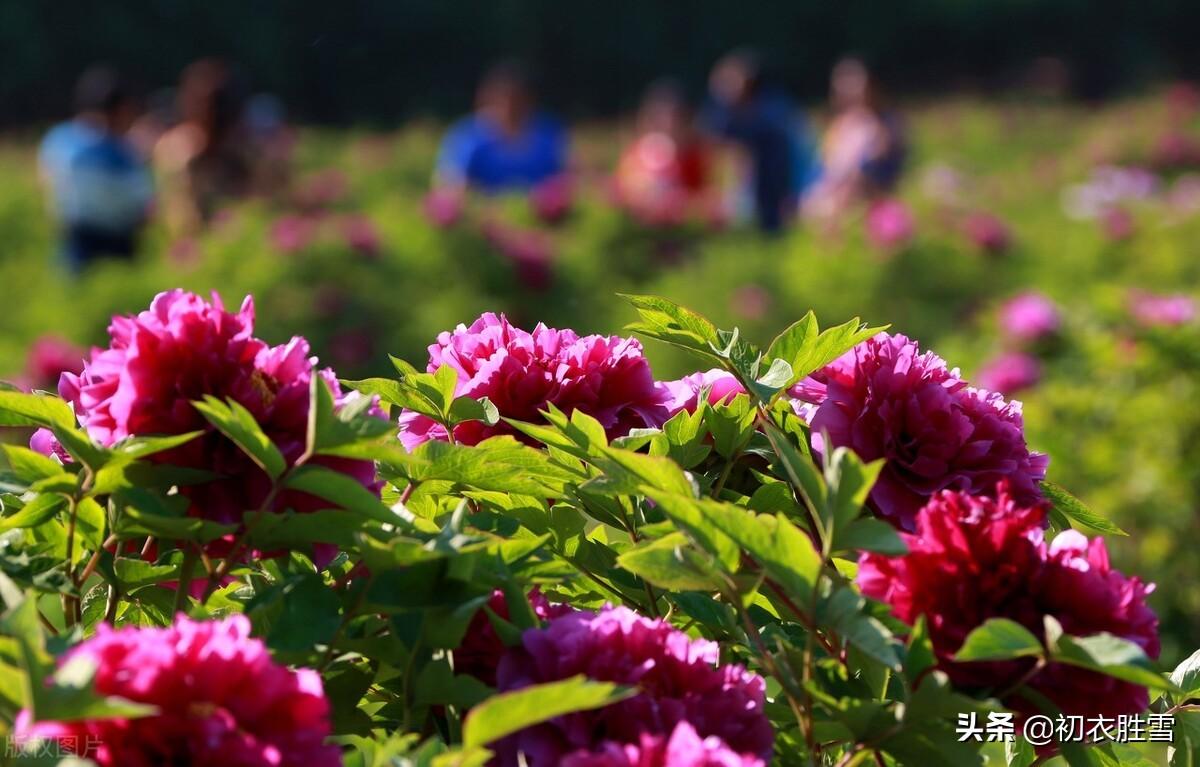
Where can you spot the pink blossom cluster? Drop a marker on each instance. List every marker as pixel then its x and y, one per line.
pixel 679 681
pixel 218 700
pixel 180 350
pixel 523 372
pixel 887 399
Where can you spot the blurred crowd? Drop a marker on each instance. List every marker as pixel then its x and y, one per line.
pixel 745 152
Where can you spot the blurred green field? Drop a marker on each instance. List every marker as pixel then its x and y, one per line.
pixel 1116 410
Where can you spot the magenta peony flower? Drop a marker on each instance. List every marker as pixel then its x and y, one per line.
pixel 322 189
pixel 1117 224
pixel 444 207
pixel 291 234
pixel 521 373
pixel 551 200
pixel 221 700
pixel 679 680
pixel 885 399
pixel 49 357
pixel 479 653
pixel 750 301
pixel 1010 372
pixel 181 349
pixel 684 748
pixel 889 224
pixel 1151 310
pixel 684 394
pixel 975 558
pixel 988 233
pixel 360 235
pixel 1029 316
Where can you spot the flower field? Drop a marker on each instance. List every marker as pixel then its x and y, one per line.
pixel 527 508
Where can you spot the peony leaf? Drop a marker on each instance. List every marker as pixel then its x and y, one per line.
pixel 238 424
pixel 37 409
pixel 511 712
pixel 341 490
pixel 1080 516
pixel 999 639
pixel 34 513
pixel 670 563
pixel 1114 656
pixel 29 465
pixel 1186 676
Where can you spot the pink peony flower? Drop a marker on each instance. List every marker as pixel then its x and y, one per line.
pixel 1009 373
pixel 1151 310
pixel 49 357
pixel 531 253
pixel 221 700
pixel 1117 224
pixel 551 199
pixel 885 399
pixel 684 748
pixel 889 224
pixel 291 233
pixel 679 680
pixel 480 651
pixel 751 301
pixel 444 207
pixel 360 235
pixel 975 558
pixel 322 189
pixel 684 394
pixel 1029 317
pixel 606 377
pixel 988 233
pixel 181 349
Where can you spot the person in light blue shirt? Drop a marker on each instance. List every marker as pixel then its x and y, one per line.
pixel 100 189
pixel 507 144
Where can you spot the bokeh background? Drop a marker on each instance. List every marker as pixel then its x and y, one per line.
pixel 1053 150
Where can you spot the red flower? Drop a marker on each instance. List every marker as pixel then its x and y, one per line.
pixel 975 558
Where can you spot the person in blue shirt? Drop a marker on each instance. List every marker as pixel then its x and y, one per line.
pixel 507 144
pixel 764 122
pixel 100 189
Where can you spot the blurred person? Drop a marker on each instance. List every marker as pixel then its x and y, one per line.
pixel 207 157
pixel 863 150
pixel 274 142
pixel 99 188
pixel 667 168
pixel 763 121
pixel 507 144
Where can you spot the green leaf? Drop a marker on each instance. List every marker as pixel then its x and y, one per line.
pixel 20 409
pixel 670 563
pixel 342 491
pixel 870 534
pixel 784 551
pixel 29 465
pixel 310 615
pixel 34 513
pixel 146 513
pixel 806 350
pixel 511 712
pixel 1114 656
pixel 1080 516
pixel 470 409
pixel 1186 676
pixel 671 323
pixel 238 424
pixel 999 639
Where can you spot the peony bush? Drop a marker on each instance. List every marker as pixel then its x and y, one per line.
pixel 530 551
